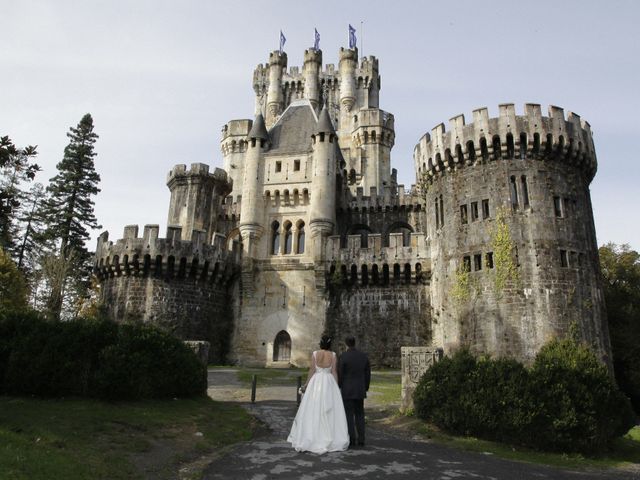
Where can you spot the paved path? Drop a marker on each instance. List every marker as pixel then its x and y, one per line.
pixel 385 456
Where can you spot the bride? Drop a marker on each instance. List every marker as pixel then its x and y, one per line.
pixel 320 425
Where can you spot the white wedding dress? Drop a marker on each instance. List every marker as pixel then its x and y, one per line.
pixel 320 425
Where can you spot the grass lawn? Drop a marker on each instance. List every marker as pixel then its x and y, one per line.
pixel 385 389
pixel 87 439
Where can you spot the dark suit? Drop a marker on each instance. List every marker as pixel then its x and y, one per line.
pixel 354 376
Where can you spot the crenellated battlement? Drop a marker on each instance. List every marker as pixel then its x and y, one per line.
pixel 367 70
pixel 392 197
pixel 401 262
pixel 531 135
pixel 234 136
pixel 199 170
pixel 373 126
pixel 167 258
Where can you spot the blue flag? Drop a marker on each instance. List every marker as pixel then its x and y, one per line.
pixel 316 41
pixel 352 37
pixel 283 40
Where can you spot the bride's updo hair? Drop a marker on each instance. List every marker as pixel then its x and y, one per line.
pixel 325 342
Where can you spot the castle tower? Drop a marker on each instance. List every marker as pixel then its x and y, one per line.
pixel 196 196
pixel 373 137
pixel 275 99
pixel 323 211
pixel 347 72
pixel 513 246
pixel 311 73
pixel 252 206
pixel 369 83
pixel 234 147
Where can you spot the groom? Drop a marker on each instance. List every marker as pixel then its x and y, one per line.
pixel 354 375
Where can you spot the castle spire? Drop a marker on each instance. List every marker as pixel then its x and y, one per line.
pixel 258 129
pixel 325 125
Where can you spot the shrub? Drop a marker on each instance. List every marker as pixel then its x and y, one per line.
pixel 565 402
pixel 440 396
pixel 579 406
pixel 147 362
pixel 93 358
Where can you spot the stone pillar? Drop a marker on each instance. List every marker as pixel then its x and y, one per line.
pixel 415 361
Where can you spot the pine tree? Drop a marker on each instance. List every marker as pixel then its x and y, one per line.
pixel 32 229
pixel 15 168
pixel 68 213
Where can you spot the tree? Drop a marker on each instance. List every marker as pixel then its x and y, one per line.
pixel 69 212
pixel 620 267
pixel 15 168
pixel 33 228
pixel 13 290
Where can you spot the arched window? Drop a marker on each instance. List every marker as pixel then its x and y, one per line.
pixel 396 273
pixel 364 275
pixel 300 243
pixel 288 238
pixel 275 238
pixel 385 274
pixel 375 276
pixel 282 347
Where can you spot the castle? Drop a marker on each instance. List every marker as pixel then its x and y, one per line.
pixel 305 230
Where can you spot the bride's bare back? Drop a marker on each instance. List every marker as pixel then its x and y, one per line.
pixel 323 359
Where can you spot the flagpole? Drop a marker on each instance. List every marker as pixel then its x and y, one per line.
pixel 361 39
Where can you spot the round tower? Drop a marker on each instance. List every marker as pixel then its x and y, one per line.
pixel 513 246
pixel 323 210
pixel 275 98
pixel 347 71
pixel 196 197
pixel 234 147
pixel 251 206
pixel 373 136
pixel 311 73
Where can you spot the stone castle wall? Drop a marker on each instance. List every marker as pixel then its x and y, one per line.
pixel 381 318
pixel 534 173
pixel 181 286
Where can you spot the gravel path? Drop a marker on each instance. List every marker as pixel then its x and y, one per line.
pixel 386 455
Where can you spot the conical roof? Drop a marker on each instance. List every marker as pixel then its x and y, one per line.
pixel 258 129
pixel 324 122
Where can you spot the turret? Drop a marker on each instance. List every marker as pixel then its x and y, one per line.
pixel 347 69
pixel 373 136
pixel 234 147
pixel 251 205
pixel 311 70
pixel 323 214
pixel 368 71
pixel 275 99
pixel 196 197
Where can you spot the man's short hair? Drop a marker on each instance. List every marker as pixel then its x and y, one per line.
pixel 350 341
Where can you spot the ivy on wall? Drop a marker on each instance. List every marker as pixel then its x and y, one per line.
pixel 461 289
pixel 503 245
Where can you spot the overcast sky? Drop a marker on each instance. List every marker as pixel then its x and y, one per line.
pixel 161 78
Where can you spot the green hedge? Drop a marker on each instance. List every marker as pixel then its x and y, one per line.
pixel 565 402
pixel 91 358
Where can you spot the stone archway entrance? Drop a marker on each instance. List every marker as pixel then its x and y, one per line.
pixel 282 347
